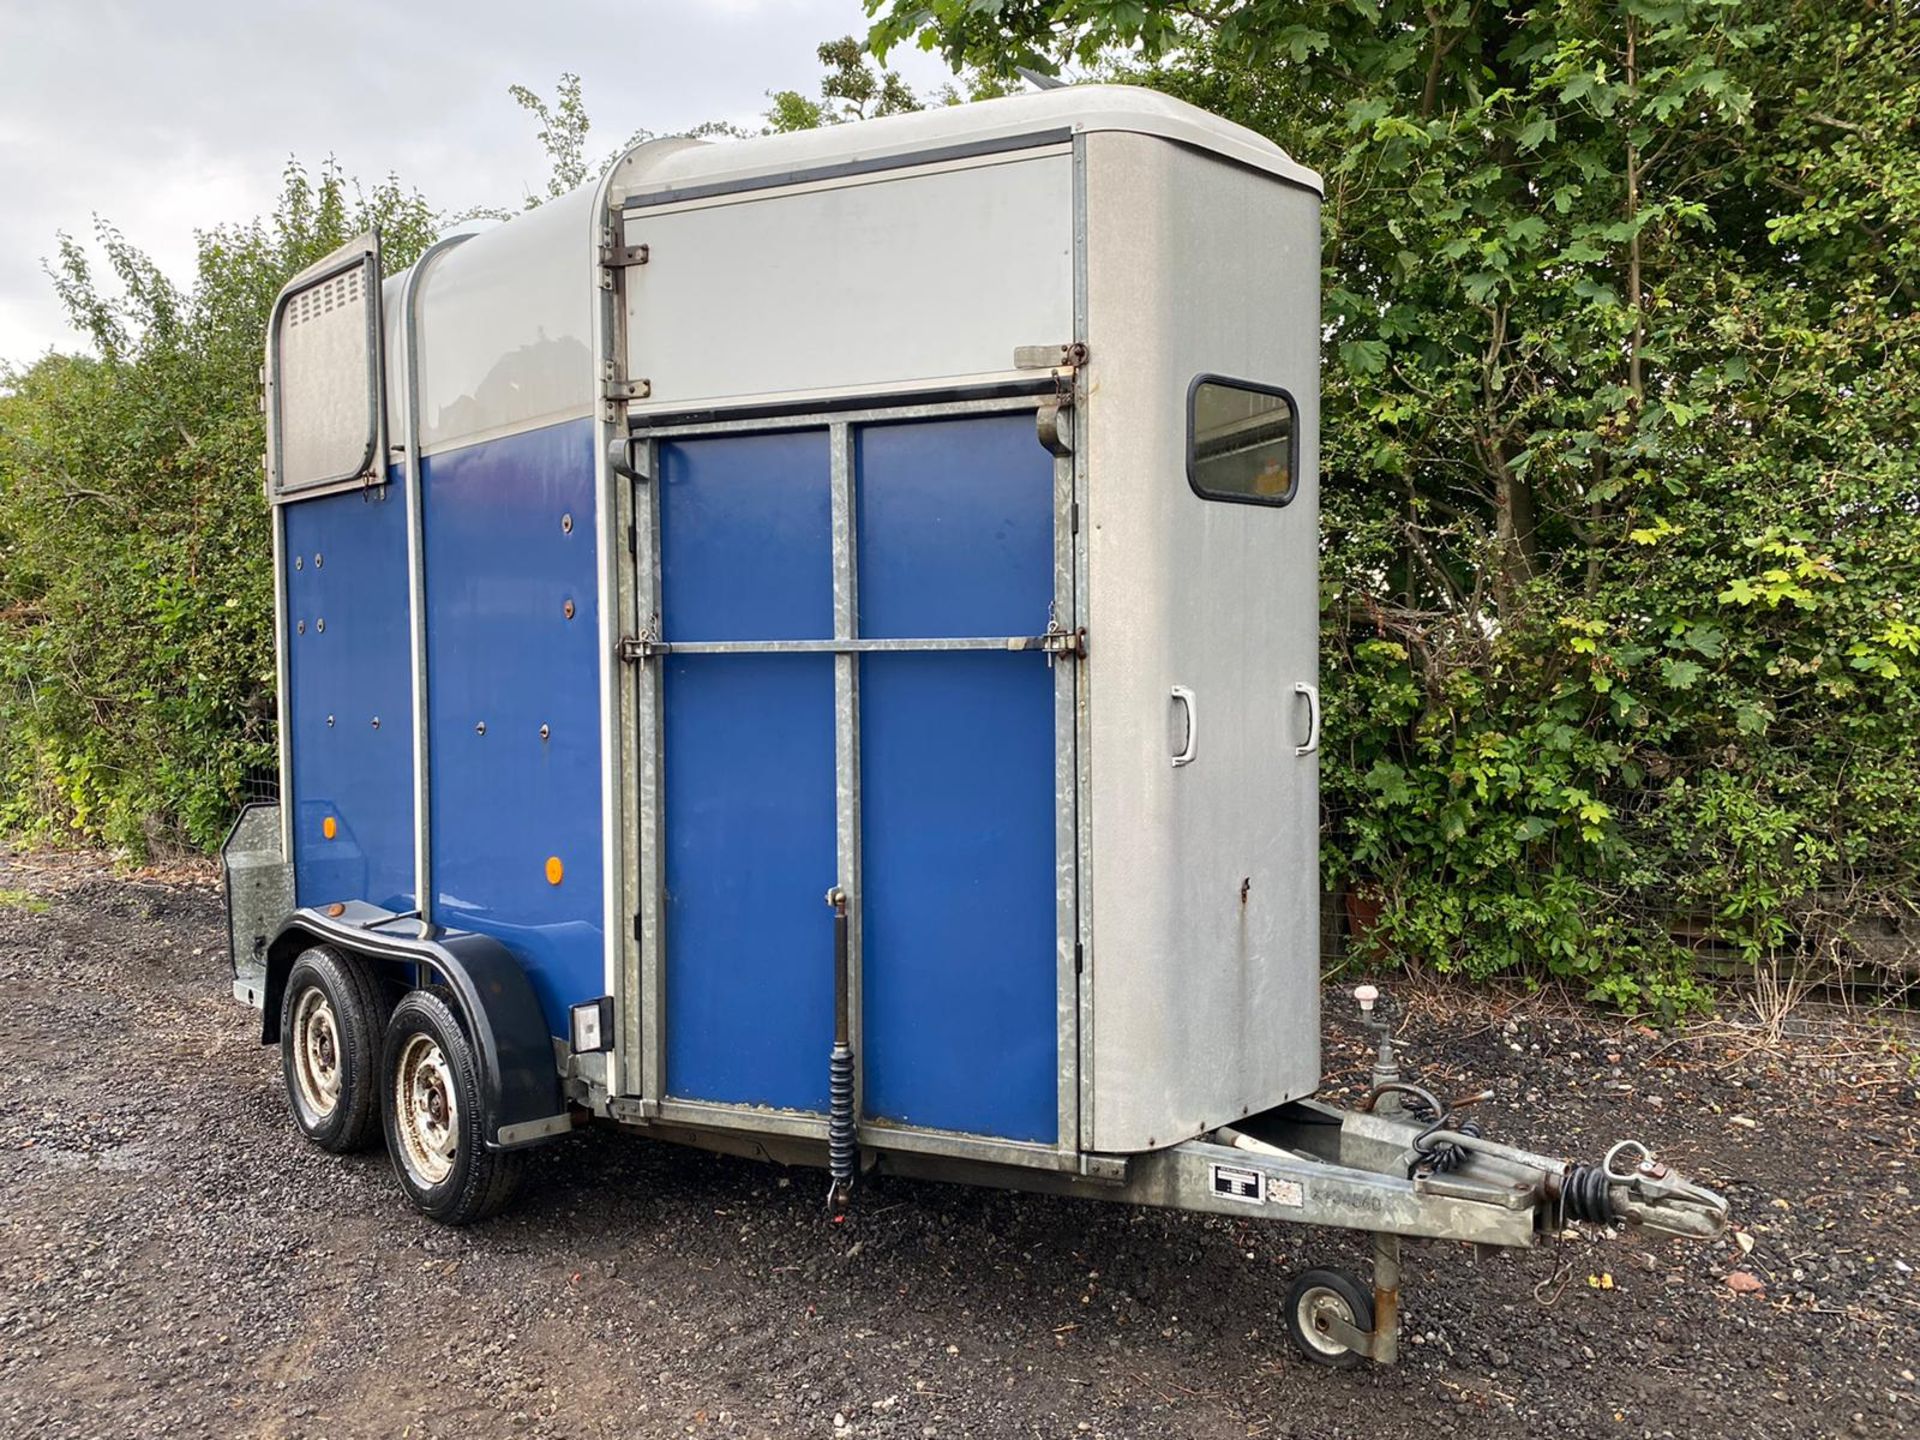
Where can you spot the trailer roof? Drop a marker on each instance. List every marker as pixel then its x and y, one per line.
pixel 505 321
pixel 956 129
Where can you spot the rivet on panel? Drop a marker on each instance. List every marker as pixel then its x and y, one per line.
pixel 329 827
pixel 555 870
pixel 321 625
pixel 376 722
pixel 568 607
pixel 319 560
pixel 301 628
pixel 566 524
pixel 299 563
pixel 481 728
pixel 546 732
pixel 329 722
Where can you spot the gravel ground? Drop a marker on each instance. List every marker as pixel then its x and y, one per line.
pixel 175 1260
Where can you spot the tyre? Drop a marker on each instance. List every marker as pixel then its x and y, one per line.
pixel 332 1017
pixel 435 1123
pixel 1314 1298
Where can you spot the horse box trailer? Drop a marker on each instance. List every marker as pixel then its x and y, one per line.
pixel 807 647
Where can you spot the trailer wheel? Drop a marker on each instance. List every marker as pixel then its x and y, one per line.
pixel 331 1017
pixel 1317 1295
pixel 434 1120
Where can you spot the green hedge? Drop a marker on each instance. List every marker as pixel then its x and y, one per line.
pixel 136 611
pixel 1621 501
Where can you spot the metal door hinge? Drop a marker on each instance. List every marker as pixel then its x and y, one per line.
pixel 1049 357
pixel 614 387
pixel 620 257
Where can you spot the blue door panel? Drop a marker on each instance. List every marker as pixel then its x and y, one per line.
pixel 956 527
pixel 501 566
pixel 959 956
pixel 959 1028
pixel 746 538
pixel 750 858
pixel 349 665
pixel 746 554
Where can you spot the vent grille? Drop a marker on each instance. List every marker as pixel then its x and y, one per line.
pixel 327 417
pixel 311 304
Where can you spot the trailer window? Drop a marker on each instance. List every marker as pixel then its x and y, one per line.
pixel 1240 441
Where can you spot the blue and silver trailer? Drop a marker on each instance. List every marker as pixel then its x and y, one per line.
pixel 807 647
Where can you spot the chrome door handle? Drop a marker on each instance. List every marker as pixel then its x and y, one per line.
pixel 1312 694
pixel 1185 697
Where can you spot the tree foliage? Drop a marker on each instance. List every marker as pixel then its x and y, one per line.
pixel 852 89
pixel 1621 502
pixel 1621 505
pixel 563 134
pixel 136 614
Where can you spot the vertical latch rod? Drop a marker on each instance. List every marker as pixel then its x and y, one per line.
pixel 841 1149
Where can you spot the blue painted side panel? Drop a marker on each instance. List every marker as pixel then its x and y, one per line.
pixel 501 652
pixel 746 553
pixel 959 978
pixel 956 527
pixel 746 538
pixel 351 579
pixel 750 858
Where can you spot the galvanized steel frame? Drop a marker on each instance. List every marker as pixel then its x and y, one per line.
pixel 644 1027
pixel 1292 1188
pixel 846 645
pixel 846 737
pixel 622 762
pixel 819 419
pixel 642 1076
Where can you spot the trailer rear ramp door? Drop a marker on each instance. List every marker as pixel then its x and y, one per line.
pixel 854 694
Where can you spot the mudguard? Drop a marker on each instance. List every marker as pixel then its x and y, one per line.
pixel 519 1082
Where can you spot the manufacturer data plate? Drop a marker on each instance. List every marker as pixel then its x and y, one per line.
pixel 1236 1182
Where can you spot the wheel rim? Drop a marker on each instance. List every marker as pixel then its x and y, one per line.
pixel 1318 1305
pixel 428 1115
pixel 316 1055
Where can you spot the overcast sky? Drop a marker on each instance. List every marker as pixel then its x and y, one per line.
pixel 167 117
